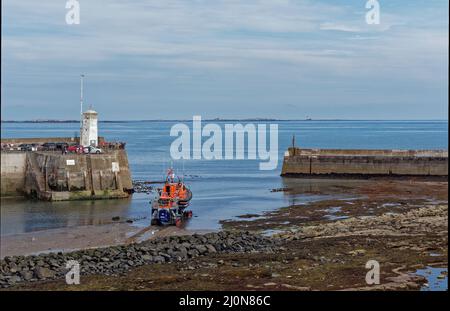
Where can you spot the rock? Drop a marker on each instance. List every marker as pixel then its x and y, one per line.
pixel 193 253
pixel 26 275
pixel 357 252
pixel 13 267
pixel 187 245
pixel 40 263
pixel 270 284
pixel 54 263
pixel 183 251
pixel 158 259
pixel 299 288
pixel 210 248
pixel 413 285
pixel 147 257
pixel 43 273
pixel 201 248
pixel 14 279
pixel 276 275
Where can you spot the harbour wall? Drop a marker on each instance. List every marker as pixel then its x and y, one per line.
pixel 13 167
pixel 54 176
pixel 360 162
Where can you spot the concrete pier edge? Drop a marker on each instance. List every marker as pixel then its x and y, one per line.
pixel 361 163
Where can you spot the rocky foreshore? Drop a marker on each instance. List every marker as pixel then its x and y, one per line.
pixel 140 186
pixel 430 220
pixel 118 259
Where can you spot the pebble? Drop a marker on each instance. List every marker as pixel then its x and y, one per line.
pixel 276 275
pixel 270 284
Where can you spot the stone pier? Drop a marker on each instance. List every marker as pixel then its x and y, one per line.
pixel 364 163
pixel 54 176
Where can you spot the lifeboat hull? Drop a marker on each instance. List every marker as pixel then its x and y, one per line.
pixel 170 210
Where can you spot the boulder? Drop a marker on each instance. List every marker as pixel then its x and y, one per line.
pixel 43 273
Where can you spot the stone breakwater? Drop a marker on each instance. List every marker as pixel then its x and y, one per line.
pixel 118 259
pixel 365 163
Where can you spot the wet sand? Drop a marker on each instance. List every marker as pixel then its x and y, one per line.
pixel 83 237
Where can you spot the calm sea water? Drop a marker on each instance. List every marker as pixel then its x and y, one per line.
pixel 222 189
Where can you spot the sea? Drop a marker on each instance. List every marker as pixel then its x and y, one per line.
pixel 222 189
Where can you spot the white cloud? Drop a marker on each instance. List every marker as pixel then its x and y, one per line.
pixel 302 41
pixel 339 27
pixel 199 33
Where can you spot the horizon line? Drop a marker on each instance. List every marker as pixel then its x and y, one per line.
pixel 209 119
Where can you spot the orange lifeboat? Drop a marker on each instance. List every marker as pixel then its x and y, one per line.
pixel 168 208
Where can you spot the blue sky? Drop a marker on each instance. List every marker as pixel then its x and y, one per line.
pixel 166 59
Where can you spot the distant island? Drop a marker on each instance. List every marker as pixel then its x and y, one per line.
pixel 154 120
pixel 206 120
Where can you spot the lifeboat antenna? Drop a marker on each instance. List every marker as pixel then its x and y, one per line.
pixel 183 172
pixel 164 169
pixel 81 100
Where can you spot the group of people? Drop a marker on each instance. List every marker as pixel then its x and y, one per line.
pixel 112 145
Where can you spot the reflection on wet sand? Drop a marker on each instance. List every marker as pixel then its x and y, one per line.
pixel 20 215
pixel 295 189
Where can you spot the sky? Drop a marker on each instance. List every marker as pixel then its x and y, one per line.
pixel 172 59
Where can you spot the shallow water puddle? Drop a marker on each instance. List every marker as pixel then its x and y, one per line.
pixel 271 232
pixel 332 211
pixel 437 278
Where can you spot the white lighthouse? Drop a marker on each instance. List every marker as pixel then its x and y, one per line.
pixel 89 129
pixel 88 122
